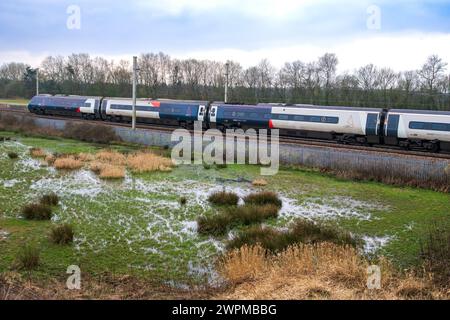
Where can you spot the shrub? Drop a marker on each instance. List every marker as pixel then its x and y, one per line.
pixel 149 162
pixel 250 214
pixel 263 198
pixel 221 223
pixel 90 132
pixel 49 199
pixel 301 231
pixel 183 201
pixel 206 166
pixel 61 234
pixel 12 155
pixel 223 198
pixel 221 165
pixel 67 163
pixel 215 225
pixel 28 257
pixel 37 211
pixel 37 153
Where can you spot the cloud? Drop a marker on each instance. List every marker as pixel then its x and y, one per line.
pixel 401 52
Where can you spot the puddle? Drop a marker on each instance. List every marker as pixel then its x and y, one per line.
pixel 4 235
pixel 373 244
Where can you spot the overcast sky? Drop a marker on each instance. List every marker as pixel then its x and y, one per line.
pixel 399 34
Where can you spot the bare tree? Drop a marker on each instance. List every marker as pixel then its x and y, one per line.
pixel 13 71
pixel 432 72
pixel 327 67
pixel 386 80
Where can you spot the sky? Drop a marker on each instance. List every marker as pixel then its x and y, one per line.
pixel 398 34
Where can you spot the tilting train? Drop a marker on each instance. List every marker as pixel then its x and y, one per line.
pixel 410 129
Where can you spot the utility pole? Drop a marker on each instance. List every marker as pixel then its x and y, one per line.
pixel 37 81
pixel 227 72
pixel 135 69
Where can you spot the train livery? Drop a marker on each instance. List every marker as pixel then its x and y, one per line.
pixel 410 129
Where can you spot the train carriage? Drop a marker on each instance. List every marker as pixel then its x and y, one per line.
pixel 422 129
pixel 351 125
pixel 168 112
pixel 229 116
pixel 75 106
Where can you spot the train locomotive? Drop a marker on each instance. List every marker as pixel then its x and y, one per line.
pixel 409 129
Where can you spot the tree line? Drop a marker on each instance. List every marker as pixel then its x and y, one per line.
pixel 161 76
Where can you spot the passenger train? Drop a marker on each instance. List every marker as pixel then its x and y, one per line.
pixel 409 129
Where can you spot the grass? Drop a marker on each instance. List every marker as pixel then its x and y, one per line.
pixel 259 183
pixel 301 231
pixel 37 153
pixel 321 271
pixel 28 257
pixel 221 223
pixel 37 211
pixel 224 198
pixel 23 102
pixel 436 255
pixel 67 163
pixel 149 162
pixel 108 156
pixel 61 234
pixel 263 198
pixel 108 171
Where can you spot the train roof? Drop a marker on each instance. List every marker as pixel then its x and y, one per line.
pixel 65 96
pixel 443 113
pixel 309 106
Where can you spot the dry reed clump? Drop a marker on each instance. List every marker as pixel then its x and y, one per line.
pixel 108 171
pixel 37 153
pixel 67 163
pixel 149 162
pixel 259 183
pixel 50 159
pixel 306 271
pixel 111 156
pixel 85 157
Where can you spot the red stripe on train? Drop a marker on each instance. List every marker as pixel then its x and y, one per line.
pixel 271 126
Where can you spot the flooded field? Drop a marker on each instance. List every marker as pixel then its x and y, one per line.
pixel 137 224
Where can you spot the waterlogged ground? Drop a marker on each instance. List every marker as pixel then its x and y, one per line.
pixel 138 226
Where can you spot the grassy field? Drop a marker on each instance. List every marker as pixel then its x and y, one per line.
pixel 137 225
pixel 14 101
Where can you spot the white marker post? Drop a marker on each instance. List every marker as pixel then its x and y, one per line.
pixel 134 92
pixel 227 67
pixel 37 81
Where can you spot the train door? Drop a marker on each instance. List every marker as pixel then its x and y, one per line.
pixel 201 113
pixel 213 116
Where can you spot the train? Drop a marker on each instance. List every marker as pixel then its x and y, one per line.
pixel 409 129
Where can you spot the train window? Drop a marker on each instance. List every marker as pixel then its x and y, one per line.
pixel 429 126
pixel 253 115
pixel 241 114
pixel 299 118
pixel 283 117
pixel 267 116
pixel 87 105
pixel 439 126
pixel 315 119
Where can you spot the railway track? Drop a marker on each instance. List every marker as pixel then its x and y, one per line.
pixel 283 139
